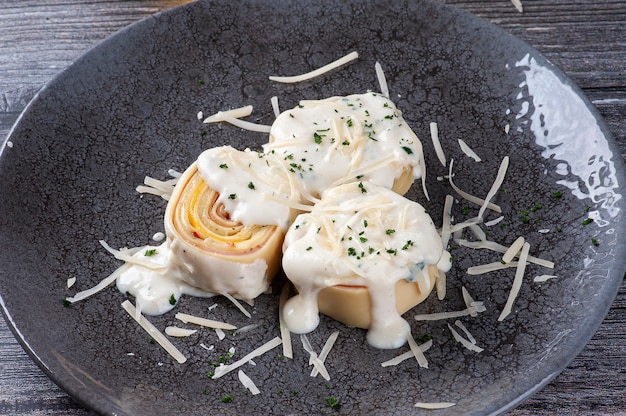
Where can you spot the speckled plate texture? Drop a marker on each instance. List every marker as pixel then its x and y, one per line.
pixel 128 108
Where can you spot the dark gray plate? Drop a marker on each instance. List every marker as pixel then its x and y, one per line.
pixel 128 109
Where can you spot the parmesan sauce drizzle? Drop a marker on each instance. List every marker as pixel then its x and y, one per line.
pixel 332 141
pixel 360 234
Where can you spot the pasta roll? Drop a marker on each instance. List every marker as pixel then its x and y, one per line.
pixel 211 251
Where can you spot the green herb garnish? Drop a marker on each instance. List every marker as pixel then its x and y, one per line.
pixel 332 401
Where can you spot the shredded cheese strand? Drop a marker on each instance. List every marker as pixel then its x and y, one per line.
pixel 468 197
pixel 209 323
pixel 409 354
pixel 434 405
pixel 246 125
pixel 235 113
pixel 325 350
pixel 174 331
pixel 285 334
pixel 154 333
pixel 476 307
pixel 417 351
pixel 463 341
pixel 499 248
pixel 434 136
pixel 513 250
pixel 468 151
pixel 313 358
pixel 225 369
pixel 317 72
pixel 489 267
pixel 104 283
pixel 248 383
pixel 237 304
pixel 382 80
pixel 517 282
pixel 275 107
pixel 504 165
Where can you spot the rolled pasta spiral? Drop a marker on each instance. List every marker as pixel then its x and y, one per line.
pixel 213 252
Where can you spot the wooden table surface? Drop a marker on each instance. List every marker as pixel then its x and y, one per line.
pixel 585 38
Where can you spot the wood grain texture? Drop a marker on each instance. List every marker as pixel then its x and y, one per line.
pixel 585 38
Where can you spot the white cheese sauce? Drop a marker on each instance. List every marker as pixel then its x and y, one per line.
pixel 254 188
pixel 157 281
pixel 360 234
pixel 156 291
pixel 333 141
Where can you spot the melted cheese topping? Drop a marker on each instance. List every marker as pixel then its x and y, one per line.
pixel 246 181
pixel 336 140
pixel 360 234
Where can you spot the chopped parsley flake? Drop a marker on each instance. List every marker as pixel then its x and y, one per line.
pixel 232 196
pixel 332 401
pixel 557 194
pixel 172 299
pixel 408 150
pixel 150 252
pixel 251 186
pixel 227 398
pixel 587 221
pixel 317 138
pixel 223 166
pixel 362 188
pixel 390 231
pixel 595 242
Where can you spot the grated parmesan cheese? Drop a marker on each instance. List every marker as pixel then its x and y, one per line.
pixel 469 336
pixel 248 383
pixel 313 358
pixel 544 278
pixel 434 136
pixel 504 165
pixel 235 113
pixel 104 283
pixel 434 405
pixel 328 345
pixel 317 72
pixel 476 307
pixel 513 250
pixel 517 282
pixel 275 106
pixel 417 352
pixel 237 304
pixel 285 334
pixel 154 333
pixel 382 80
pixel 469 197
pixel 209 323
pixel 225 369
pixel 409 354
pixel 467 344
pixel 174 331
pixel 246 125
pixel 468 151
